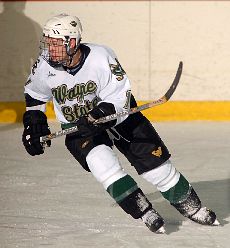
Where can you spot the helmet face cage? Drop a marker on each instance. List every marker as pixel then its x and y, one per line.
pixel 54 51
pixel 57 34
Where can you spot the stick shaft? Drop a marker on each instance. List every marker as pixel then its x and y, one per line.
pixel 154 103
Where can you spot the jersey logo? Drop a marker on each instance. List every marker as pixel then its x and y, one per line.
pixel 157 152
pixel 85 144
pixel 72 113
pixel 62 93
pixel 51 74
pixel 117 70
pixel 73 23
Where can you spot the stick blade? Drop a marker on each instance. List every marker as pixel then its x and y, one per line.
pixel 176 80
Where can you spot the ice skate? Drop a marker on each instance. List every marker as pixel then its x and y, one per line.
pixel 205 216
pixel 193 209
pixel 154 221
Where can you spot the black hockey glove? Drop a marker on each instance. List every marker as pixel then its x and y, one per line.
pixel 85 124
pixel 35 126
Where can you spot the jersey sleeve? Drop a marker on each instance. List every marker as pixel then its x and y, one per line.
pixel 115 86
pixel 36 86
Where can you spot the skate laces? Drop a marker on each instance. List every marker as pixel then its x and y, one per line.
pixel 205 216
pixel 202 214
pixel 149 217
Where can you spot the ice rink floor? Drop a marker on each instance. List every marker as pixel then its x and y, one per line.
pixel 50 201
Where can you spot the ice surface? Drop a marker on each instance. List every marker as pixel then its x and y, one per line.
pixel 50 201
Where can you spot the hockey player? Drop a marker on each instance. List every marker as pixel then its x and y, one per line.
pixel 86 82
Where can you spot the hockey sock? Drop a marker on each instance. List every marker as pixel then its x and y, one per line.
pixel 121 188
pixel 129 197
pixel 183 197
pixel 178 192
pixel 190 205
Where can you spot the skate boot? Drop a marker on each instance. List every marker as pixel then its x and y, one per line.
pixel 191 208
pixel 153 221
pixel 205 216
pixel 139 207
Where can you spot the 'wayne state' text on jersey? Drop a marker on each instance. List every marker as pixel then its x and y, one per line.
pixel 97 78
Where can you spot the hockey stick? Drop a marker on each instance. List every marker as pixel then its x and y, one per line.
pixel 160 101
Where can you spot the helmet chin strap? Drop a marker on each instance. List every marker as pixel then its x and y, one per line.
pixel 71 55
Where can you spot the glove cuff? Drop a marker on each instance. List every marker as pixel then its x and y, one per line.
pixel 31 117
pixel 104 109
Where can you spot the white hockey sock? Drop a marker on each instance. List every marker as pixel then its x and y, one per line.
pixel 163 177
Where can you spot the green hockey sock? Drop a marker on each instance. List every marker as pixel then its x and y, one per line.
pixel 179 192
pixel 123 187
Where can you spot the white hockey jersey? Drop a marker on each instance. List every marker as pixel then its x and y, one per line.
pixel 100 78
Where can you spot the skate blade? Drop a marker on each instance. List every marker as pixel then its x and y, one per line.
pixel 216 223
pixel 161 230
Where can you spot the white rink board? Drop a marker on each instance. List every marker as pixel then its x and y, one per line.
pixel 149 37
pixel 50 201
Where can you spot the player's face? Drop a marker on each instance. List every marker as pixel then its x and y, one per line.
pixel 57 49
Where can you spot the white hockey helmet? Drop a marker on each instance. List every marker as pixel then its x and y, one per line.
pixel 63 26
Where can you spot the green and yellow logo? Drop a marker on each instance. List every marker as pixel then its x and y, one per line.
pixel 117 70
